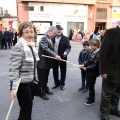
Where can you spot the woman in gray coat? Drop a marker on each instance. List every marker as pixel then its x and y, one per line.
pixel 21 66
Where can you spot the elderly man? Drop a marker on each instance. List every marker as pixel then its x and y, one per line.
pixel 110 72
pixel 61 47
pixel 45 64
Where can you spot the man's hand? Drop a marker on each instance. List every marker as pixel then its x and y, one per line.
pixel 65 53
pixel 104 76
pixel 13 94
pixel 81 66
pixel 57 57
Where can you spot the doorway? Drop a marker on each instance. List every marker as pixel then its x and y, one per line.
pixel 100 26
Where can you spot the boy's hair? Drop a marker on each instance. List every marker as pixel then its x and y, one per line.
pixel 95 42
pixel 86 43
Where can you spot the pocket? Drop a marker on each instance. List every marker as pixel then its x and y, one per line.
pixel 112 70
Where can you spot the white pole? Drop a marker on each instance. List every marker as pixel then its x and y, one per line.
pixel 61 60
pixel 10 108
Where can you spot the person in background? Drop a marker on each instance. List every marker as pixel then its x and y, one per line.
pixel 21 66
pixel 83 56
pixel 110 72
pixel 91 66
pixel 15 35
pixel 1 35
pixel 62 47
pixel 102 34
pixel 7 38
pixel 45 64
pixel 35 36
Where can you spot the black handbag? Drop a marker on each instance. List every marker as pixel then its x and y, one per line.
pixel 37 87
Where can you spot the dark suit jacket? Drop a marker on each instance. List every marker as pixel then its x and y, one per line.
pixel 6 34
pixel 110 55
pixel 45 48
pixel 64 45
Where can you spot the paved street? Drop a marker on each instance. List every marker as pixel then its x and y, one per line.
pixel 63 105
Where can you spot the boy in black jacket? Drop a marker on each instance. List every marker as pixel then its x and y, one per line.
pixel 83 56
pixel 91 66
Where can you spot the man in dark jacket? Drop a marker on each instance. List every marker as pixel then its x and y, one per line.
pixel 1 39
pixel 6 37
pixel 110 72
pixel 45 64
pixel 61 47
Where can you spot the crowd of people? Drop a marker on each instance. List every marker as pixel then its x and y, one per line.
pixel 94 60
pixel 8 38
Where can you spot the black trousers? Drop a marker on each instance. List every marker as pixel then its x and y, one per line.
pixel 110 96
pixel 43 79
pixel 62 66
pixel 25 97
pixel 92 81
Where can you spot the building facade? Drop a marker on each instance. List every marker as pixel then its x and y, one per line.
pixel 8 13
pixel 85 15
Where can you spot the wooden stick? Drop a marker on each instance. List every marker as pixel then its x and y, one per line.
pixel 10 108
pixel 61 60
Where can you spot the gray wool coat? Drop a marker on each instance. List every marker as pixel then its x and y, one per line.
pixel 19 67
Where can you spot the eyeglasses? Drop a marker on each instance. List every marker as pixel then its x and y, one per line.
pixel 27 32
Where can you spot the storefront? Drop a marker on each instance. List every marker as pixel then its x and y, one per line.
pixel 115 16
pixel 69 16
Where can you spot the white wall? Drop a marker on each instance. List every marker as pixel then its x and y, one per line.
pixel 59 14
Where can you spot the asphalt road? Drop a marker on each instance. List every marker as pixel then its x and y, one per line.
pixel 63 105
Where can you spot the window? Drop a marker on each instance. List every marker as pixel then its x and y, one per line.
pixel 101 13
pixel 41 8
pixel 29 8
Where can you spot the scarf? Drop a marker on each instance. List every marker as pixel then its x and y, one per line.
pixel 28 52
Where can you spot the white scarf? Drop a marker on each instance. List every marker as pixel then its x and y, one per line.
pixel 28 52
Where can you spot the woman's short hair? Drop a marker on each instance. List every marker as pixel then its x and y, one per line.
pixel 95 42
pixel 25 25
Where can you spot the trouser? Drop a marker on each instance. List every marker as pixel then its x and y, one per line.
pixel 62 66
pixel 85 83
pixel 7 43
pixel 43 79
pixel 92 81
pixel 109 98
pixel 25 97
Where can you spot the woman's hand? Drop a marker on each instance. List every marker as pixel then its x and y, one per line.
pixel 13 94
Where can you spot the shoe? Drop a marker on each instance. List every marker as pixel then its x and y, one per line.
pixel 48 92
pixel 62 87
pixel 115 113
pixel 104 119
pixel 89 102
pixel 55 86
pixel 87 99
pixel 85 90
pixel 81 88
pixel 44 97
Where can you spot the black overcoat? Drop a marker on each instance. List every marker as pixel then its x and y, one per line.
pixel 109 58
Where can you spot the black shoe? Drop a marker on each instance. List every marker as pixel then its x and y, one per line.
pixel 87 99
pixel 115 113
pixel 48 92
pixel 85 90
pixel 89 102
pixel 55 86
pixel 44 97
pixel 105 119
pixel 62 87
pixel 81 88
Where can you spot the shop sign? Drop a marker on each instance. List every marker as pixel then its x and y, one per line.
pixel 68 16
pixel 116 15
pixel 41 15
